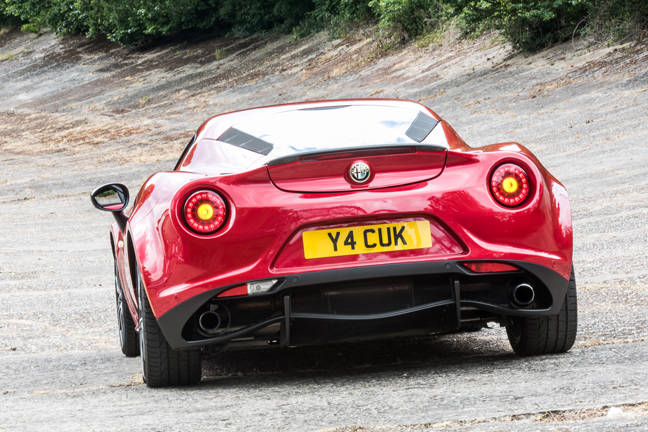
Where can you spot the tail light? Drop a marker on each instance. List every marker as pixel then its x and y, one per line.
pixel 204 211
pixel 509 184
pixel 489 267
pixel 250 288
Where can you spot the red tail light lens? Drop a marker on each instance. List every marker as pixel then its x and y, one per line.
pixel 241 290
pixel 205 211
pixel 488 267
pixel 510 185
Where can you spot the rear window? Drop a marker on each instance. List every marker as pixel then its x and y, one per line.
pixel 268 136
pixel 327 128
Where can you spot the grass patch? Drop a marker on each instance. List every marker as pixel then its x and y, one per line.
pixel 144 100
pixel 6 56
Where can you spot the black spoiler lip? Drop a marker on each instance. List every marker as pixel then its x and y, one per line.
pixel 295 157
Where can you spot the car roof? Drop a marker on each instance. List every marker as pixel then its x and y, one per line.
pixel 241 140
pixel 214 126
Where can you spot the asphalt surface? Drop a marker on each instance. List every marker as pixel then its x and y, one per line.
pixel 76 114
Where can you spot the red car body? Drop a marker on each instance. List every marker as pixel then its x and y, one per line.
pixel 272 201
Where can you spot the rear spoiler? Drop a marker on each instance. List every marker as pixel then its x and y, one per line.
pixel 358 151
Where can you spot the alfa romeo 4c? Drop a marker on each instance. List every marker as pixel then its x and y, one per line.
pixel 320 222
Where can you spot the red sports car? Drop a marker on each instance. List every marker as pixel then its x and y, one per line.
pixel 340 220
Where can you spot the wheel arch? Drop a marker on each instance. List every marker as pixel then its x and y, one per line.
pixel 132 263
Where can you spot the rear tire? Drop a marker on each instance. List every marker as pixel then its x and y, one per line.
pixel 548 334
pixel 128 339
pixel 161 365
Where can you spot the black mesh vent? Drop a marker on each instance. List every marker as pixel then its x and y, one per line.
pixel 241 139
pixel 421 127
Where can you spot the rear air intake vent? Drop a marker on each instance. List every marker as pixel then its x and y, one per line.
pixel 241 139
pixel 421 127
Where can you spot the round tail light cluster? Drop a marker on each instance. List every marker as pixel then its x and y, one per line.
pixel 510 185
pixel 205 211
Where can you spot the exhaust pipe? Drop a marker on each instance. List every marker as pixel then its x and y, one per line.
pixel 523 294
pixel 209 322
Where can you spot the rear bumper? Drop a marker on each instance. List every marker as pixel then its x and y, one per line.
pixel 458 297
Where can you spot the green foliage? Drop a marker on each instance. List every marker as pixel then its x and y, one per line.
pixel 528 24
pixel 410 18
pixel 334 15
pixel 7 19
pixel 21 12
pixel 130 21
pixel 618 19
pixel 254 16
pixel 61 15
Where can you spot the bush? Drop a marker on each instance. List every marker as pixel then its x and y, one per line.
pixel 335 15
pixel 140 20
pixel 63 16
pixel 18 12
pixel 254 16
pixel 618 19
pixel 8 20
pixel 410 18
pixel 527 24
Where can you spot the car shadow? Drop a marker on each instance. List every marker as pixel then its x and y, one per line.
pixel 349 361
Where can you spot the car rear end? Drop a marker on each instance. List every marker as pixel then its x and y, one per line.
pixel 310 248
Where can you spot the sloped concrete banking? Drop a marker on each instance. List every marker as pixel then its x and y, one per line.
pixel 77 113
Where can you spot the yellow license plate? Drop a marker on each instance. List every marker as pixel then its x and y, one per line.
pixel 367 239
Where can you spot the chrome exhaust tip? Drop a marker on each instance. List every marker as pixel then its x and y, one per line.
pixel 209 322
pixel 523 294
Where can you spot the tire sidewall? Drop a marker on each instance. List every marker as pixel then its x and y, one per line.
pixel 141 316
pixel 121 309
pixel 546 334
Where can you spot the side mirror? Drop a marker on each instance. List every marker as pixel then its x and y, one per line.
pixel 112 197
